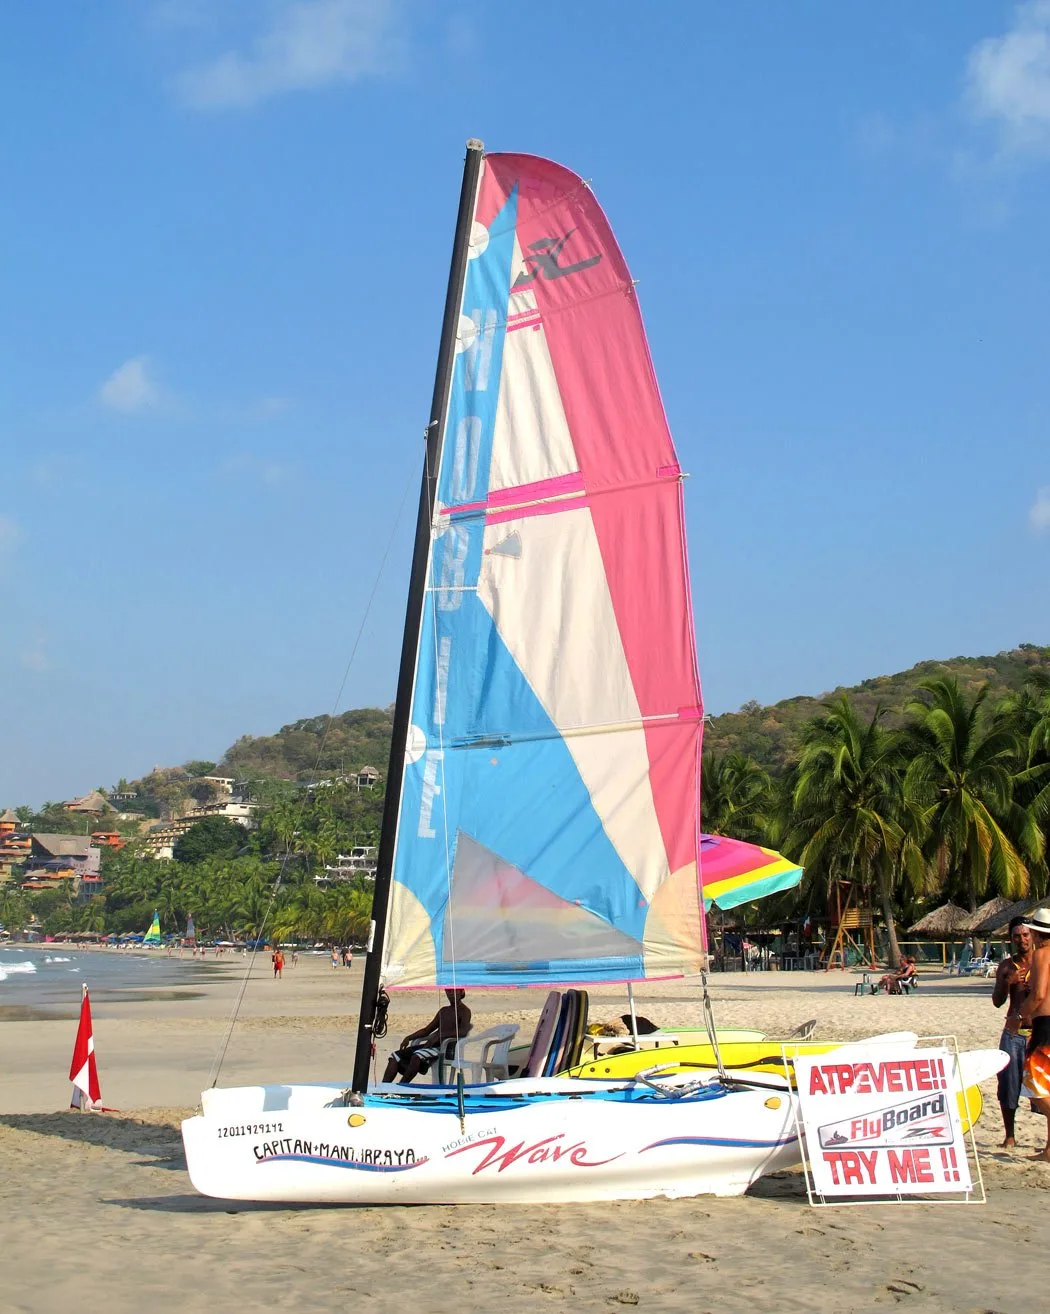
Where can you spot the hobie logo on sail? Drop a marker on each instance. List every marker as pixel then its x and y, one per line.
pixel 542 258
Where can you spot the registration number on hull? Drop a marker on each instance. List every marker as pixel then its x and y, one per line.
pixel 250 1129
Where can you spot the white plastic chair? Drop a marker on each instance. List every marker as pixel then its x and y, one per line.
pixel 483 1057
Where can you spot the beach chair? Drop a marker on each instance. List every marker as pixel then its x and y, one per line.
pixel 483 1057
pixel 963 963
pixel 439 1068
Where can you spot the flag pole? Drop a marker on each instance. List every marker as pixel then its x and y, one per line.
pixel 83 1070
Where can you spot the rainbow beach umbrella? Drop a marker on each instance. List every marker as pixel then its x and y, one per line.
pixel 735 872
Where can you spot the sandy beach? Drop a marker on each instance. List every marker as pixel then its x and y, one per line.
pixel 101 1216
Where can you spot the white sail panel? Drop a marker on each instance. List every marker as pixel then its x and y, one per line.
pixel 566 643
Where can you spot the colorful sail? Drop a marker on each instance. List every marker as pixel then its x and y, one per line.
pixel 152 936
pixel 734 872
pixel 190 938
pixel 549 824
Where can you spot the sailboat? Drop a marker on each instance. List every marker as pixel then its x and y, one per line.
pixel 153 935
pixel 541 823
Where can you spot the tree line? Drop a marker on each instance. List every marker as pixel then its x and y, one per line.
pixel 954 803
pixel 235 883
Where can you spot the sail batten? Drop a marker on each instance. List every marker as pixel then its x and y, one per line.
pixel 548 825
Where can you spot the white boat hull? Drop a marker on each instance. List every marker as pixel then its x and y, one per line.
pixel 281 1143
pixel 541 1141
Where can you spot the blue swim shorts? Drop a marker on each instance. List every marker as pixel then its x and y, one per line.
pixel 1012 1075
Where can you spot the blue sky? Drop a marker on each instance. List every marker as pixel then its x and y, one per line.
pixel 226 227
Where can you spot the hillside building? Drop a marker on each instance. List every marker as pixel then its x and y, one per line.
pixel 360 861
pixel 160 842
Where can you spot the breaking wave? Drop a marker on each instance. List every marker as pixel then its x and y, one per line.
pixel 16 969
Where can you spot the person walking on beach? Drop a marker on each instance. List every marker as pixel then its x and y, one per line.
pixel 1011 983
pixel 419 1050
pixel 1035 1011
pixel 278 963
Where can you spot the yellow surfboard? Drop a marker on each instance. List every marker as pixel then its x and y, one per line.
pixel 744 1058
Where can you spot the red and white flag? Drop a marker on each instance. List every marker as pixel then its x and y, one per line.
pixel 82 1071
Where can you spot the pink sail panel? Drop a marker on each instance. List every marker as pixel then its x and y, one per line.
pixel 572 279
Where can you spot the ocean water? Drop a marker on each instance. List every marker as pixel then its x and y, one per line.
pixel 46 980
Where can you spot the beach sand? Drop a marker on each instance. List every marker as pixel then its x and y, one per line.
pixel 96 1212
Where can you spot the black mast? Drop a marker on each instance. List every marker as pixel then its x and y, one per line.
pixel 414 612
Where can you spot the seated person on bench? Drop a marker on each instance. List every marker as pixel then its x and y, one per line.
pixel 422 1047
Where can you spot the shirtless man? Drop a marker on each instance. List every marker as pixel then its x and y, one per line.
pixel 1011 983
pixel 422 1047
pixel 1035 1011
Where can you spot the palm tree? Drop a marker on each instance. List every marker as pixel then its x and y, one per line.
pixel 736 796
pixel 1027 715
pixel 849 820
pixel 962 778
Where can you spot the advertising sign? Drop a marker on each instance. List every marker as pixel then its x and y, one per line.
pixel 883 1120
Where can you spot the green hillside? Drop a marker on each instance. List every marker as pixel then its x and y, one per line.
pixel 318 746
pixel 770 735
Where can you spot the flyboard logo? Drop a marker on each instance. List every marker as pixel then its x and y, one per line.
pixel 542 258
pixel 919 1122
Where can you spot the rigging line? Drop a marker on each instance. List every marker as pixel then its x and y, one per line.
pixel 500 739
pixel 220 1058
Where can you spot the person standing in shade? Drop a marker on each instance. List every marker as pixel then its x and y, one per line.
pixel 1036 1011
pixel 1011 983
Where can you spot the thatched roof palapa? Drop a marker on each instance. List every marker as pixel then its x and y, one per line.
pixel 997 922
pixel 943 923
pixel 992 908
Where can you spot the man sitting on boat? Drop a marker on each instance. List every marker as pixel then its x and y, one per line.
pixel 419 1050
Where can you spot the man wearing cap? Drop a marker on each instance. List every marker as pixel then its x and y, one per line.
pixel 1035 1011
pixel 1011 982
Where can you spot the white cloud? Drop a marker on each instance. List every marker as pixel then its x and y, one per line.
pixel 130 387
pixel 1008 79
pixel 306 44
pixel 1039 511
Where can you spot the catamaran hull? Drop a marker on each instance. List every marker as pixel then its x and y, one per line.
pixel 558 1150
